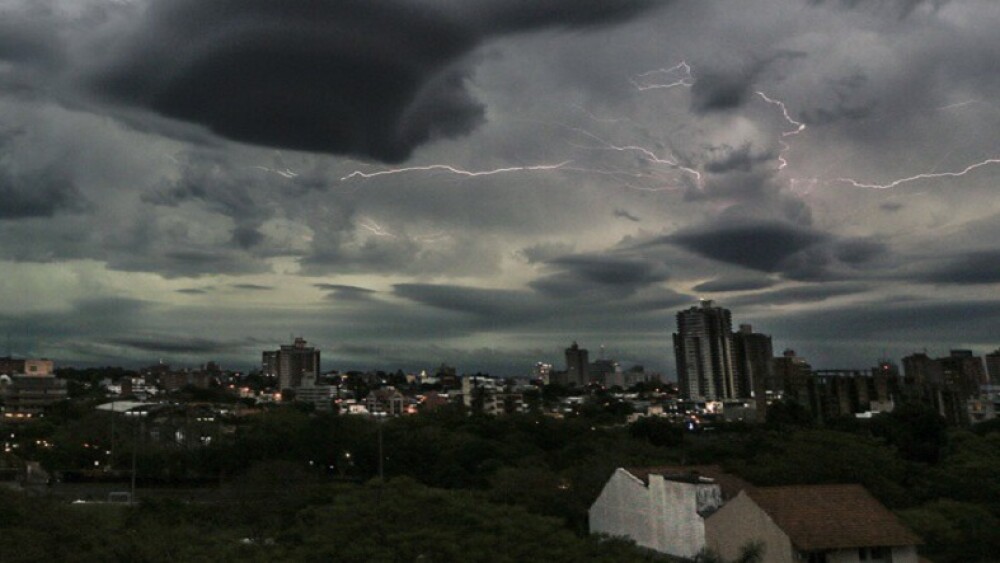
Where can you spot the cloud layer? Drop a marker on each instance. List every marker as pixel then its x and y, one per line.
pixel 414 181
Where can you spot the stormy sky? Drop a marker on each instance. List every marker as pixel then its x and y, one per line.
pixel 481 182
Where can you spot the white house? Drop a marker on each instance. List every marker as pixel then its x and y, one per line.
pixel 662 508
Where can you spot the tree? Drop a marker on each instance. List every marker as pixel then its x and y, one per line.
pixel 918 432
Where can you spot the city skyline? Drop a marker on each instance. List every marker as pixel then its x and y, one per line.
pixel 483 183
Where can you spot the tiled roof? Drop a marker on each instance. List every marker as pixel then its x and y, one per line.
pixel 731 484
pixel 819 517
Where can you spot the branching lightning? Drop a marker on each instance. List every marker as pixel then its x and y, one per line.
pixel 662 170
pixel 928 176
pixel 286 173
pixel 798 128
pixel 646 154
pixel 371 226
pixel 453 170
pixel 642 81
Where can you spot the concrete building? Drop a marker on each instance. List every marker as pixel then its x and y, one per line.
pixel 811 524
pixel 319 395
pixel 577 366
pixel 703 349
pixel 752 354
pixel 387 401
pixel 290 362
pixel 489 395
pixel 27 396
pixel 11 366
pixel 993 366
pixel 662 508
pixel 946 384
pixel 791 375
pixel 542 372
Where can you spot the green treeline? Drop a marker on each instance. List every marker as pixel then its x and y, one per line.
pixel 293 485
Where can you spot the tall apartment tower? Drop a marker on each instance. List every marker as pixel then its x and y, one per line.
pixel 703 347
pixel 290 362
pixel 752 353
pixel 993 366
pixel 577 366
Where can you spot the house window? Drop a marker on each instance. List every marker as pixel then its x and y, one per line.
pixel 817 557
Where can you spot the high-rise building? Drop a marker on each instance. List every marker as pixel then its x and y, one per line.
pixel 752 353
pixel 964 371
pixel 792 377
pixel 577 366
pixel 993 366
pixel 703 348
pixel 947 384
pixel 290 362
pixel 542 372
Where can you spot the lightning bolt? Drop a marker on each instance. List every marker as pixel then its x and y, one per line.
pixel 374 228
pixel 798 128
pixel 646 154
pixel 686 80
pixel 453 170
pixel 927 176
pixel 286 173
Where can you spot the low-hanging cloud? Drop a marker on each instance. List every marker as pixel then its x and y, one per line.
pixel 348 77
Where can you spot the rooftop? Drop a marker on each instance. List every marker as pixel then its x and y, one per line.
pixel 819 517
pixel 730 484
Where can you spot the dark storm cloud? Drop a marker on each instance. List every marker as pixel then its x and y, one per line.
pixel 84 318
pixel 25 40
pixel 252 287
pixel 545 251
pixel 338 292
pixel 353 77
pixel 726 88
pixel 174 345
pixel 721 285
pixel 902 7
pixel 886 322
pixel 158 256
pixel 598 275
pixel 222 188
pixel 499 305
pixel 859 251
pixel 800 294
pixel 759 246
pixel 720 91
pixel 623 214
pixel 973 268
pixel 193 291
pixel 490 309
pixel 37 194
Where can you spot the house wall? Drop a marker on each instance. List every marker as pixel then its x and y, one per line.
pixel 740 522
pixel 663 517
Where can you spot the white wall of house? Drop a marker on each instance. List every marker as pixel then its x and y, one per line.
pixel 663 516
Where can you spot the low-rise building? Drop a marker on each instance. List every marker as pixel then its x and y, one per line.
pixel 27 396
pixel 662 508
pixel 319 395
pixel 386 401
pixel 811 524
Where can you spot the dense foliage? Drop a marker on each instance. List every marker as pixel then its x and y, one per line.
pixel 303 485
